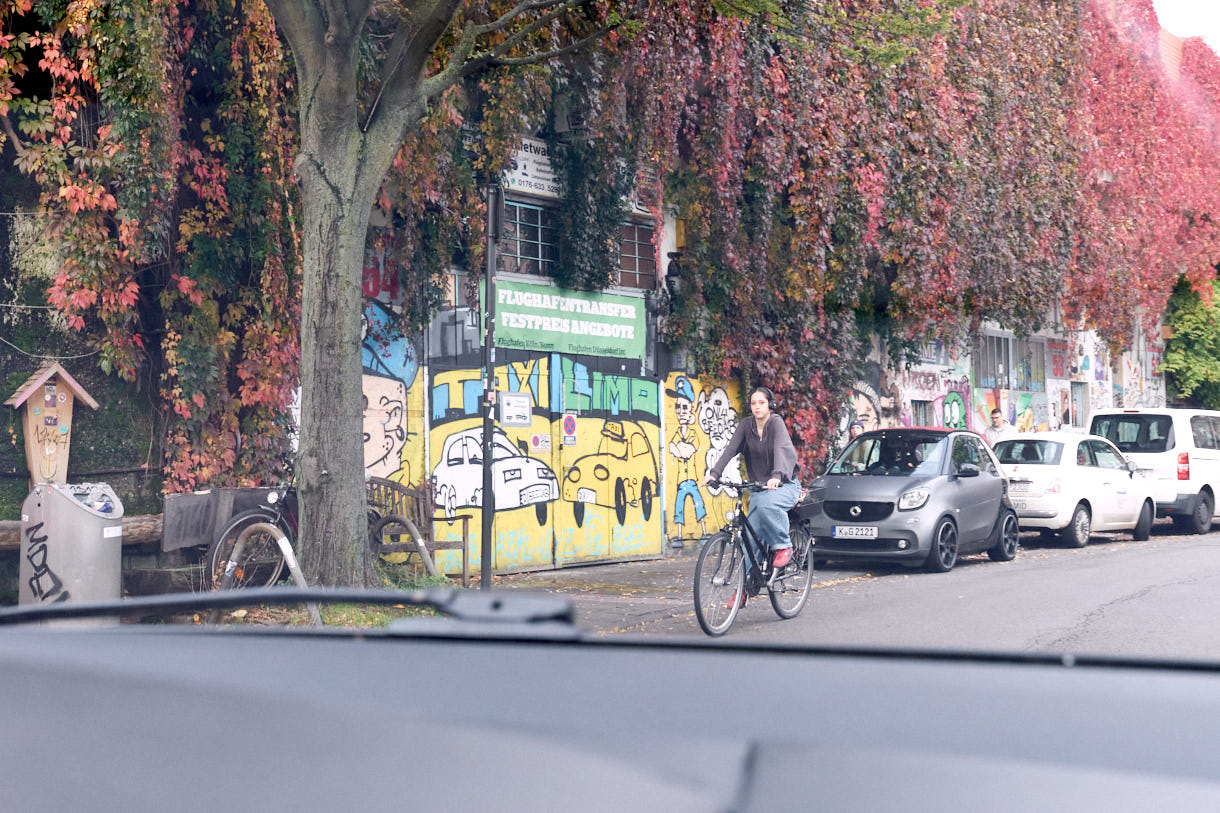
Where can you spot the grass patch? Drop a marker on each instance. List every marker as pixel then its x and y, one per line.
pixel 397 576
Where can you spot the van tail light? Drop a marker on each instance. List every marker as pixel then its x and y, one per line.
pixel 1055 486
pixel 1183 465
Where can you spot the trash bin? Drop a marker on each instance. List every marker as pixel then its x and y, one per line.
pixel 71 544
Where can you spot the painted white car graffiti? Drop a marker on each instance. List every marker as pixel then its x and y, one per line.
pixel 519 480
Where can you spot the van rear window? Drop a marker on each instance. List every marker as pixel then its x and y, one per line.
pixel 1136 433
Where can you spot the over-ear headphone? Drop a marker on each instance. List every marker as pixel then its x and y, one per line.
pixel 767 392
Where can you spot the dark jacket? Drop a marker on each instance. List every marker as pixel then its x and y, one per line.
pixel 772 455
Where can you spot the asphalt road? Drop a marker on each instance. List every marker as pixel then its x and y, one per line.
pixel 1158 598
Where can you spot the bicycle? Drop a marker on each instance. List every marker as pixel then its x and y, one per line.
pixel 261 560
pixel 723 582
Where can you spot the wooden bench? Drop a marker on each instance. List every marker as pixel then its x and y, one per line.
pixel 396 511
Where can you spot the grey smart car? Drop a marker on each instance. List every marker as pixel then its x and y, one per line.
pixel 914 496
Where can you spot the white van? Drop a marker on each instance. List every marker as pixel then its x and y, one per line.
pixel 1178 450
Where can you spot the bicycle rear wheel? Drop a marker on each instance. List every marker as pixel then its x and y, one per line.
pixel 719 577
pixel 262 561
pixel 790 589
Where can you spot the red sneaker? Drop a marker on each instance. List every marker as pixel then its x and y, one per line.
pixel 738 598
pixel 782 557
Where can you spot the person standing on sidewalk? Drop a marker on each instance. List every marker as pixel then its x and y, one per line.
pixel 770 457
pixel 999 429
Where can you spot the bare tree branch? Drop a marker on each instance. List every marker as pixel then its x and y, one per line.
pixel 520 35
pixel 515 12
pixel 534 59
pixel 18 144
pixel 419 40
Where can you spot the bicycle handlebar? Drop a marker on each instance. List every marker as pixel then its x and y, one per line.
pixel 747 485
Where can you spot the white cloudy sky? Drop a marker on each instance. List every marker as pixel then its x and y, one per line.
pixel 1191 18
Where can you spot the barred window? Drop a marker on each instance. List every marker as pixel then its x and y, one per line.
pixel 1029 367
pixel 637 259
pixel 528 243
pixel 992 365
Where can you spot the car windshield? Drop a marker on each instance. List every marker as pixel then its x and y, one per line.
pixel 893 454
pixel 1136 433
pixel 1036 452
pixel 787 326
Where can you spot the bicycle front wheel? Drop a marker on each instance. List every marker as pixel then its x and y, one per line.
pixel 790 589
pixel 719 580
pixel 262 561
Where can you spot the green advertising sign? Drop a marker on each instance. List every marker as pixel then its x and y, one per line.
pixel 541 317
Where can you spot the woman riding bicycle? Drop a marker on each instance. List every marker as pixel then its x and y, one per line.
pixel 769 456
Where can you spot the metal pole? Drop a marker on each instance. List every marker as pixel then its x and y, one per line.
pixel 488 500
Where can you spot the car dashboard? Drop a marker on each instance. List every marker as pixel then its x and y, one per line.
pixel 439 714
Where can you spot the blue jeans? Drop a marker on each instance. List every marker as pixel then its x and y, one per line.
pixel 688 488
pixel 769 514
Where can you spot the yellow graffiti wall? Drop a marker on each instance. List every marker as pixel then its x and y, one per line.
pixel 579 483
pixel 700 417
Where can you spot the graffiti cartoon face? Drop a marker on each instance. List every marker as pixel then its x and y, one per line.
pixel 384 424
pixel 717 417
pixel 955 411
pixel 684 412
pixel 865 410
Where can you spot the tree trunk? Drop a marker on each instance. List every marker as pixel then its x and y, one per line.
pixel 340 168
pixel 335 210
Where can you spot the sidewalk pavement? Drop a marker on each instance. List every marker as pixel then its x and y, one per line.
pixel 653 594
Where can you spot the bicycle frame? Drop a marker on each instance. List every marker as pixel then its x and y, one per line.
pixel 739 527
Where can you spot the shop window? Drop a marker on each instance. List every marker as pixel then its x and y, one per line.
pixel 1029 365
pixel 528 244
pixel 992 363
pixel 457 290
pixel 637 258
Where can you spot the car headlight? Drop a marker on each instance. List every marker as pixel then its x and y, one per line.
pixel 512 474
pixel 915 498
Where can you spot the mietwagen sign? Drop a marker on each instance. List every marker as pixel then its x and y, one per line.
pixel 540 317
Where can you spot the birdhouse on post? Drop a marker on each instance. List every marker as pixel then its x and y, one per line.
pixel 47 420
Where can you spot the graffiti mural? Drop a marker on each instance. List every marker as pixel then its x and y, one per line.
pixel 700 426
pixel 718 420
pixel 393 403
pixel 562 497
pixel 683 445
pixel 625 458
pixel 519 479
pixel 936 391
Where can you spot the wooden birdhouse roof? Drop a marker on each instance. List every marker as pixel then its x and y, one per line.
pixel 44 374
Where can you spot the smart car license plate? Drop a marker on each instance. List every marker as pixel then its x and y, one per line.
pixel 854 532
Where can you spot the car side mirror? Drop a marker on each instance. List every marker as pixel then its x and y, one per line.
pixel 1132 467
pixel 967 470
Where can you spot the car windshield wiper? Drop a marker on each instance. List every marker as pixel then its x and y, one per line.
pixel 484 608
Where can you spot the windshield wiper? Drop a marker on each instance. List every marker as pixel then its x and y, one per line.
pixel 459 605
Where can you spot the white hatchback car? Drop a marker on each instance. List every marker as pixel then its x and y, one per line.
pixel 1075 484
